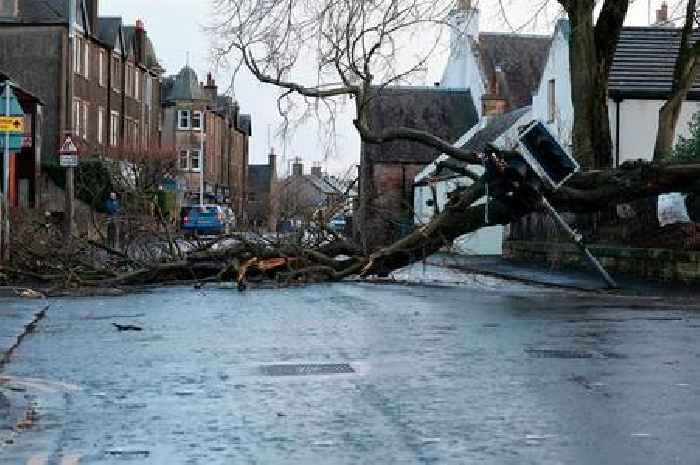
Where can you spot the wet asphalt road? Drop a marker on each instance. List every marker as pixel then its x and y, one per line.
pixel 440 375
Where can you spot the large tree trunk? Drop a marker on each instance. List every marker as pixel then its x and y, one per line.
pixel 683 78
pixel 590 55
pixel 584 193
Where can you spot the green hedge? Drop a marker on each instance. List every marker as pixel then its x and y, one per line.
pixel 93 180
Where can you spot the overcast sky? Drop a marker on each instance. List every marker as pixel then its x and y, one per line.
pixel 176 29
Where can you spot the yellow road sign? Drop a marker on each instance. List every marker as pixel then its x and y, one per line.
pixel 12 124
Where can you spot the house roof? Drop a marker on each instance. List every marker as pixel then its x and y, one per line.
pixel 108 29
pixel 259 178
pixel 185 86
pixel 42 11
pixel 321 184
pixel 521 59
pixel 22 94
pixel 446 113
pixel 644 62
pixel 495 127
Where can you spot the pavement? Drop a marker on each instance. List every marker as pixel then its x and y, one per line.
pixel 483 371
pixel 566 278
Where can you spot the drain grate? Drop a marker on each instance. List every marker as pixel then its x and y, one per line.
pixel 307 369
pixel 558 353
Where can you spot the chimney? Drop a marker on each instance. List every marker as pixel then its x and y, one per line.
pixel 464 24
pixel 140 39
pixel 317 171
pixel 297 167
pixel 211 90
pixel 272 162
pixel 93 7
pixel 662 15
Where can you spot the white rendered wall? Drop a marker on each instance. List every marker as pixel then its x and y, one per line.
pixel 639 122
pixel 557 68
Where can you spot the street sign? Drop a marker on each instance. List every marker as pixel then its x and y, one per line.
pixel 68 161
pixel 13 124
pixel 68 154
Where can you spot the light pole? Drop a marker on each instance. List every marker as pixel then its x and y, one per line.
pixel 201 158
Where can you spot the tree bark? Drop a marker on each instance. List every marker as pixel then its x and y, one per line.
pixel 684 73
pixel 585 193
pixel 591 51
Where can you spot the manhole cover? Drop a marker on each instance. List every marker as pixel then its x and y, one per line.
pixel 558 353
pixel 307 369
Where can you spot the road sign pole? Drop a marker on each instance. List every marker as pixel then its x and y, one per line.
pixel 5 233
pixel 70 204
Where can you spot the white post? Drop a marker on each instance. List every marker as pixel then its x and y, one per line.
pixel 201 158
pixel 6 183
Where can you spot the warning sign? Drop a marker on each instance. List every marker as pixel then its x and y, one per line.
pixel 12 124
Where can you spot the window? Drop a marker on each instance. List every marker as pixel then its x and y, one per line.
pixel 137 72
pixel 84 124
pixel 551 101
pixel 197 120
pixel 194 160
pixel 114 129
pixel 86 59
pixel 100 124
pixel 149 90
pixel 76 117
pixel 77 54
pixel 116 73
pixel 101 68
pixel 183 119
pixel 184 160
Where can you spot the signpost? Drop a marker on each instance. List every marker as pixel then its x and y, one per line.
pixel 12 124
pixel 68 158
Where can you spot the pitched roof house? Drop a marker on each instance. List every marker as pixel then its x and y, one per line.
pixel 639 83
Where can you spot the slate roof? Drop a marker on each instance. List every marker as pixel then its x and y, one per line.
pixel 245 124
pixel 495 127
pixel 446 113
pixel 43 11
pixel 108 29
pixel 520 57
pixel 185 86
pixel 322 185
pixel 644 62
pixel 259 178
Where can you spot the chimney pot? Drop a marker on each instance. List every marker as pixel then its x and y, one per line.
pixel 662 14
pixel 139 25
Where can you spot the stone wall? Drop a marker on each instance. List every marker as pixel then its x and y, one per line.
pixel 649 263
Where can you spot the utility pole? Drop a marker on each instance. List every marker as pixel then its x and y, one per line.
pixel 201 158
pixel 5 236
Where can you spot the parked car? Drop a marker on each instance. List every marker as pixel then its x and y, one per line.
pixel 203 220
pixel 337 224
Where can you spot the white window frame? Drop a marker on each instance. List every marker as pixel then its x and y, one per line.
pixel 197 116
pixel 77 54
pixel 85 116
pixel 76 117
pixel 137 72
pixel 188 117
pixel 100 125
pixel 86 58
pixel 116 73
pixel 114 128
pixel 184 156
pixel 195 155
pixel 101 70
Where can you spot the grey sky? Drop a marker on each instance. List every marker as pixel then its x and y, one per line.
pixel 176 28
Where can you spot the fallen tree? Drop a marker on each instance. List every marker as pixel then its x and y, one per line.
pixel 250 259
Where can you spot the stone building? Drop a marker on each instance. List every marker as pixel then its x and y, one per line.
pixel 387 171
pixel 262 190
pixel 99 79
pixel 208 133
